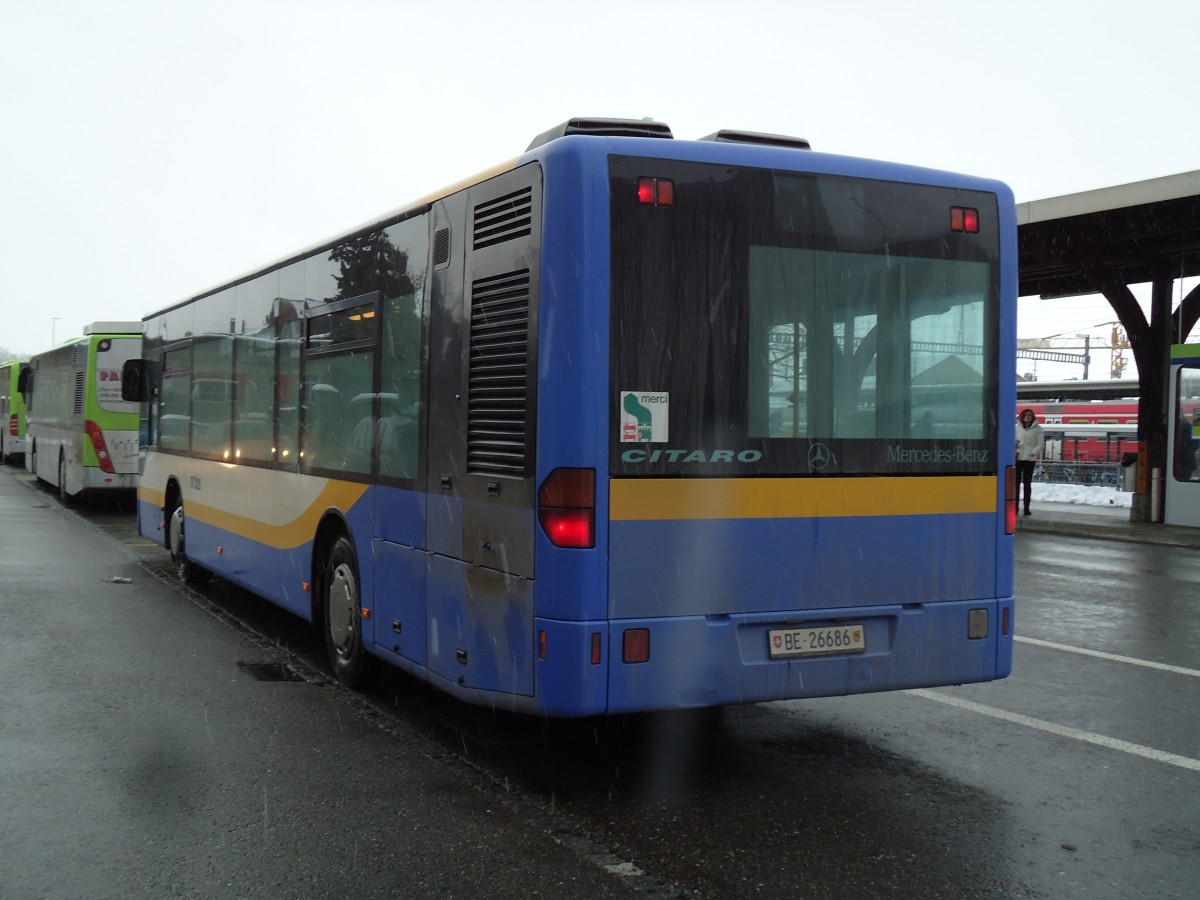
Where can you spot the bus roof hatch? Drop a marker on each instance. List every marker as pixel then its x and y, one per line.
pixel 756 137
pixel 605 128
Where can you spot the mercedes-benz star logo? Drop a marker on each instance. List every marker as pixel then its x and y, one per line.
pixel 818 457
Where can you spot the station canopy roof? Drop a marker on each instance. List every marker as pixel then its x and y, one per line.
pixel 1142 230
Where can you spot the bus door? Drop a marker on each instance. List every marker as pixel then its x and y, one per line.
pixel 1181 503
pixel 482 365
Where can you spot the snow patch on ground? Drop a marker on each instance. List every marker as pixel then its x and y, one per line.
pixel 1074 493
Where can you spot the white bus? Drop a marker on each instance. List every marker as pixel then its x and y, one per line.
pixel 12 413
pixel 81 436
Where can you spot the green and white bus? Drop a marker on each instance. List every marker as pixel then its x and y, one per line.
pixel 12 412
pixel 81 436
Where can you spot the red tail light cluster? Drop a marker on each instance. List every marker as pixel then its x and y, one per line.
pixel 1010 499
pixel 97 438
pixel 963 218
pixel 656 191
pixel 13 426
pixel 567 508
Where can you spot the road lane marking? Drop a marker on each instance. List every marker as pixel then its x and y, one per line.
pixel 1074 734
pixel 1112 657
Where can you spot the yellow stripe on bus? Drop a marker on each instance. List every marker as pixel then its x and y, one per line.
pixel 645 499
pixel 149 495
pixel 340 495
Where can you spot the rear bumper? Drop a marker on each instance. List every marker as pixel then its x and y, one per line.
pixel 719 660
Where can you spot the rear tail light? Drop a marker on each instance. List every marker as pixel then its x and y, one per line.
pixel 1010 499
pixel 96 436
pixel 656 191
pixel 13 426
pixel 567 508
pixel 963 218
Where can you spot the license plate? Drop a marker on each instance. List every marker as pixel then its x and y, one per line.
pixel 787 642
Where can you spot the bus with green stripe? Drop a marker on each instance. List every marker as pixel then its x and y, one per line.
pixel 627 423
pixel 12 413
pixel 82 437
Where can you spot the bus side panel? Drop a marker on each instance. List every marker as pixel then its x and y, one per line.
pixel 398 618
pixel 277 574
pixel 573 362
pixel 398 621
pixel 150 513
pixel 700 661
pixel 480 627
pixel 255 526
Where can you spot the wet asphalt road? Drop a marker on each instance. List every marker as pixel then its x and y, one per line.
pixel 137 758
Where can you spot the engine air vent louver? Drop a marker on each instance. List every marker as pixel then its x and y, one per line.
pixel 497 389
pixel 80 381
pixel 503 219
pixel 441 247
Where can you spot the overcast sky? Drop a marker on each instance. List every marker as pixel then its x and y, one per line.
pixel 150 150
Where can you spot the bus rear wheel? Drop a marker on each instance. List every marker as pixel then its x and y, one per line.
pixel 65 497
pixel 343 617
pixel 188 571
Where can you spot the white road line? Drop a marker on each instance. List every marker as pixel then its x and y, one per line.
pixel 1074 734
pixel 1112 657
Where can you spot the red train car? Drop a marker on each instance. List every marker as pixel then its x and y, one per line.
pixel 1083 431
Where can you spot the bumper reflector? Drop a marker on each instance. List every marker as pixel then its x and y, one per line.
pixel 977 624
pixel 635 645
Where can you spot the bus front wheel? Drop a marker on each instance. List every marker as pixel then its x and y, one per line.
pixel 188 571
pixel 343 622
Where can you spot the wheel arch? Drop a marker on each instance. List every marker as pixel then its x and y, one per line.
pixel 332 526
pixel 172 496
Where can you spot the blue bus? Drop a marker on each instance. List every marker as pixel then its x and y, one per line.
pixel 628 423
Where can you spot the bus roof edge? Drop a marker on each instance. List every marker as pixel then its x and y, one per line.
pixel 113 328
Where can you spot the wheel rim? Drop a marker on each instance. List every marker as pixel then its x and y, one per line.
pixel 343 607
pixel 176 534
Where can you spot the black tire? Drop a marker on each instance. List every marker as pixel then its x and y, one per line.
pixel 188 571
pixel 341 599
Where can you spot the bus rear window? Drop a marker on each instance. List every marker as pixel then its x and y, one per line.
pixel 783 324
pixel 111 355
